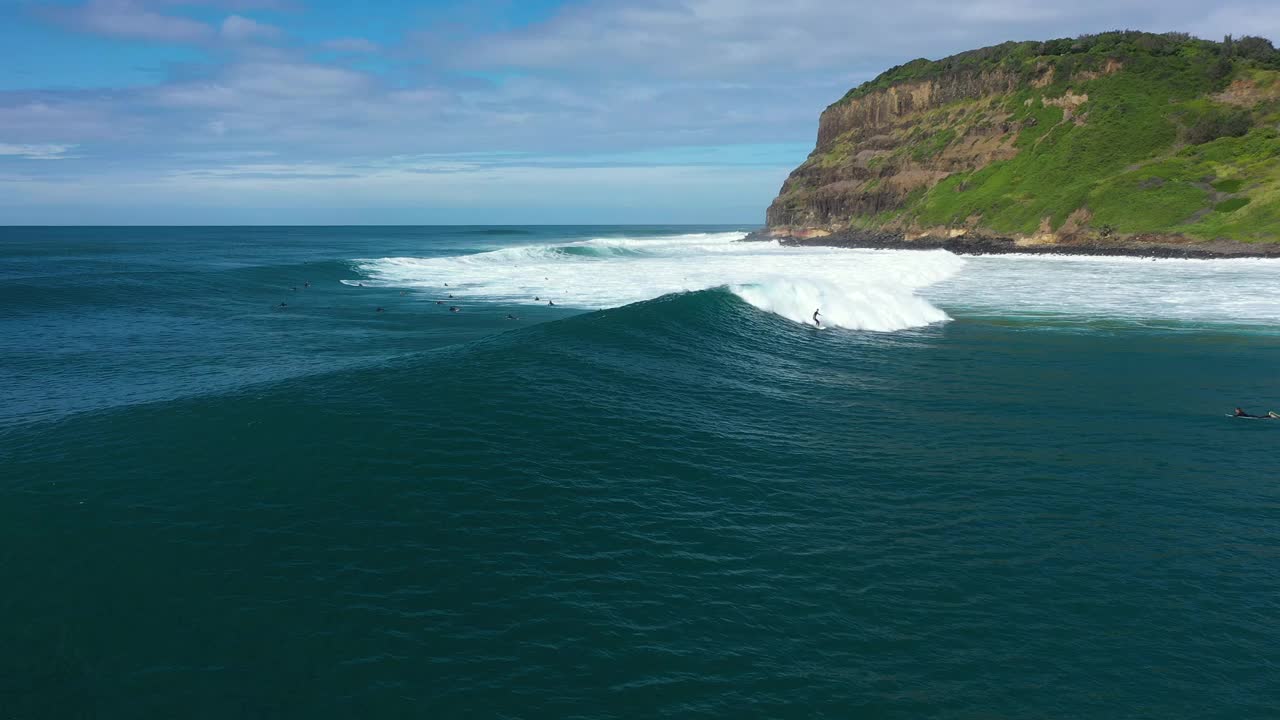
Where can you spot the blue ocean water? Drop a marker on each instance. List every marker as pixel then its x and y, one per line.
pixel 987 487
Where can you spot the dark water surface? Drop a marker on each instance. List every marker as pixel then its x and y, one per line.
pixel 684 507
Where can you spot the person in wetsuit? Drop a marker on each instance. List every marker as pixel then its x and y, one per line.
pixel 816 321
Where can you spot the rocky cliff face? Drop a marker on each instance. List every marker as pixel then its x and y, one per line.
pixel 874 150
pixel 1054 142
pixel 895 104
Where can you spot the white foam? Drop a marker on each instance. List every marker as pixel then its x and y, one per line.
pixel 1239 291
pixel 855 289
pixel 882 307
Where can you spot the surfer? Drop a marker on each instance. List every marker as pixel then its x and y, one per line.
pixel 283 305
pixel 551 302
pixel 537 299
pixel 306 284
pixel 1269 416
pixel 816 321
pixel 512 317
pixel 378 310
pixel 453 308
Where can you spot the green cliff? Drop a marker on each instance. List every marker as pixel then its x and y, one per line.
pixel 1119 137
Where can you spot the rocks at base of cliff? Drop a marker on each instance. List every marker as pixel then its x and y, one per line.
pixel 983 245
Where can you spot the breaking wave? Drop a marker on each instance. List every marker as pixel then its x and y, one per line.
pixel 853 289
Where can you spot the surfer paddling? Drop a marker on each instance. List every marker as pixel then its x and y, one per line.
pixel 1272 415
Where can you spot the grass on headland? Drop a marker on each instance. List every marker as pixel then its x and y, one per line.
pixel 1123 164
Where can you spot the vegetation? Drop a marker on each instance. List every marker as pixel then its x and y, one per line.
pixel 1219 123
pixel 1157 134
pixel 1079 53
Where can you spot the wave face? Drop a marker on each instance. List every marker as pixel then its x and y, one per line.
pixel 853 289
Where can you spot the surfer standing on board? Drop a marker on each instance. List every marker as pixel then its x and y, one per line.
pixel 816 321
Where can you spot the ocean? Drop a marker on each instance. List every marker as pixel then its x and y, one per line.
pixel 986 487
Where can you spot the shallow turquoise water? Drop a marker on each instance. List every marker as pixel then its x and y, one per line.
pixel 685 506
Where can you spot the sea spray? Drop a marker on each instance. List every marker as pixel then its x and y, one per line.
pixel 881 307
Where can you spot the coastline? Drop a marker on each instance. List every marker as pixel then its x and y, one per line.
pixel 984 245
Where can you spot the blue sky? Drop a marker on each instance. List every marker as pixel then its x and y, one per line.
pixel 488 111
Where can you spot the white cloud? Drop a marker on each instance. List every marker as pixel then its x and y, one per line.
pixel 146 20
pixel 133 19
pixel 296 80
pixel 241 29
pixel 223 155
pixel 37 152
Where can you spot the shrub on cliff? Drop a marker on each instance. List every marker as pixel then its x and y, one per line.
pixel 1258 49
pixel 1219 123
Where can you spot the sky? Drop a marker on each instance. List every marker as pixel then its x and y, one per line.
pixel 484 111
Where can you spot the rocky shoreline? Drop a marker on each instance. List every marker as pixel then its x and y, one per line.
pixel 981 245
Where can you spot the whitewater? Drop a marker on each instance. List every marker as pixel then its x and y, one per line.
pixel 876 290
